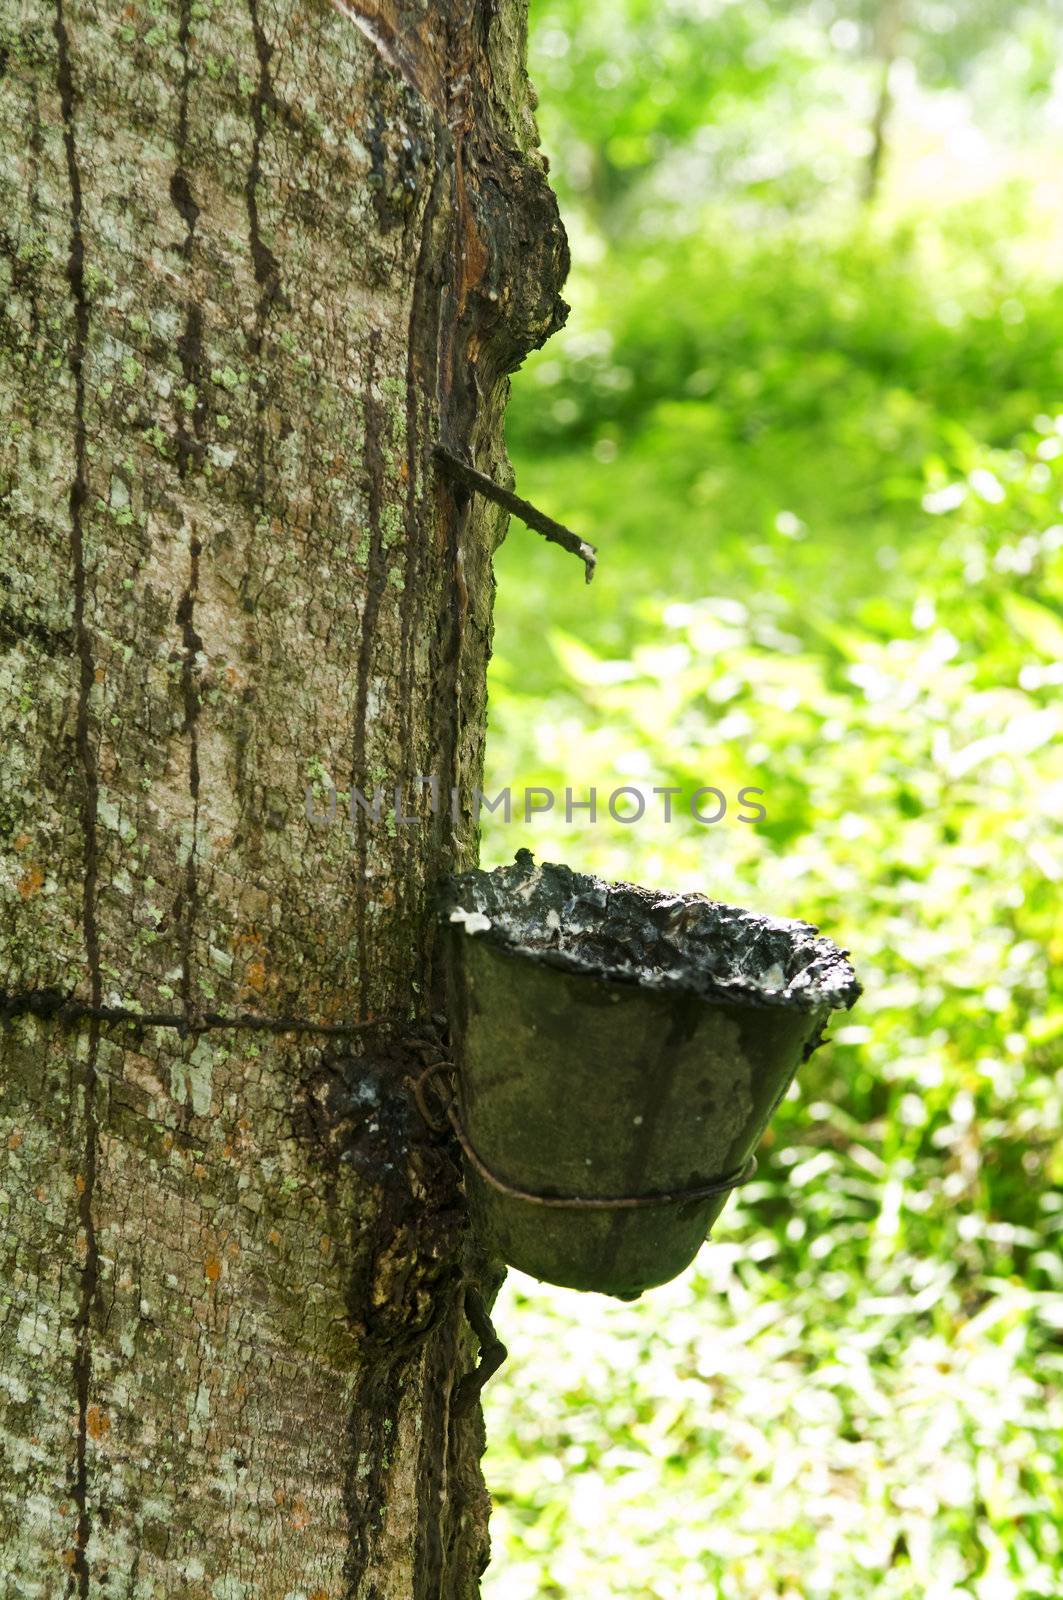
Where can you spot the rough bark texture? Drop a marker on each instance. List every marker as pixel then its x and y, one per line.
pixel 256 261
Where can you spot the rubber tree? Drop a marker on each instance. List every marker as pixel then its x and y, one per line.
pixel 887 35
pixel 258 262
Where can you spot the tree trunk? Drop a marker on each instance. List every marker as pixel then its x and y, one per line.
pixel 256 263
pixel 888 25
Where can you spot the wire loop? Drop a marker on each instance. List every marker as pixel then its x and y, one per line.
pixel 704 1191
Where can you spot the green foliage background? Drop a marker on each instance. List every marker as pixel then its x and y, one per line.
pixel 820 446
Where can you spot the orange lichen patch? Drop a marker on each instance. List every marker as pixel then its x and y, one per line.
pixel 21 841
pixel 255 975
pixel 79 1184
pixel 97 1422
pixel 274 1238
pixel 69 1557
pixel 199 1170
pixel 212 1269
pixel 15 1140
pixel 300 1518
pixel 279 1497
pixel 30 881
pixel 320 1594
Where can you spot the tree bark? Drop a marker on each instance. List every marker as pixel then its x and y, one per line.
pixel 257 262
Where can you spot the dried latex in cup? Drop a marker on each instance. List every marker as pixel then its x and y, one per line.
pixel 619 1053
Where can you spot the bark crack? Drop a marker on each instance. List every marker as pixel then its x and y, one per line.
pixel 190 692
pixel 190 344
pixel 267 272
pixel 77 349
pixel 264 263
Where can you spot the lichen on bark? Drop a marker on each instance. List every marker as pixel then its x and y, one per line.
pixel 256 263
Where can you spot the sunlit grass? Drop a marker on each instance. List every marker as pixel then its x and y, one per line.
pixel 815 444
pixel 839 579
